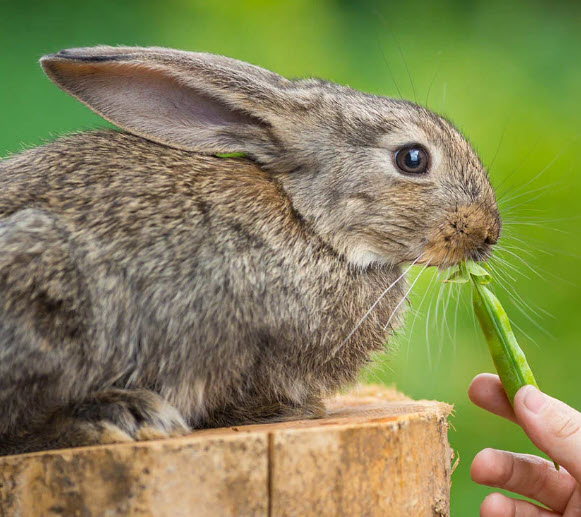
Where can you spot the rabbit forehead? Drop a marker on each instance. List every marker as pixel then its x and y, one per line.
pixel 371 120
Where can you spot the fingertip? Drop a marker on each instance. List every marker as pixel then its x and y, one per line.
pixel 487 467
pixel 530 398
pixel 487 376
pixel 528 403
pixel 518 401
pixel 521 393
pixel 495 505
pixel 482 384
pixel 486 392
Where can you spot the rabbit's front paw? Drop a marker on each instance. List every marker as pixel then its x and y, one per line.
pixel 117 415
pixel 109 416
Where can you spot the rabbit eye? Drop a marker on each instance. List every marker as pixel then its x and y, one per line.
pixel 412 159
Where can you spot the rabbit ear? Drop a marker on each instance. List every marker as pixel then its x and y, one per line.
pixel 187 100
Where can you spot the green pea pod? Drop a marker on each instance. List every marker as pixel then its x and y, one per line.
pixel 509 360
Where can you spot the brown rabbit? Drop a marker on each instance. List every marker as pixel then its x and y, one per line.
pixel 150 287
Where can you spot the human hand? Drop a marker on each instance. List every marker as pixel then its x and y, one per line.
pixel 555 428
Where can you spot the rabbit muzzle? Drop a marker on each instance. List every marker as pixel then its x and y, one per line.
pixel 468 232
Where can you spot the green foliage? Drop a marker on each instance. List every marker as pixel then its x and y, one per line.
pixel 505 72
pixel 230 155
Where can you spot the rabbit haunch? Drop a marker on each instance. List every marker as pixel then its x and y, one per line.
pixel 149 287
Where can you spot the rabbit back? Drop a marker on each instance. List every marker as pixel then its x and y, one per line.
pixel 196 276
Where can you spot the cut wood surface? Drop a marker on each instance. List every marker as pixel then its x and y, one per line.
pixel 377 453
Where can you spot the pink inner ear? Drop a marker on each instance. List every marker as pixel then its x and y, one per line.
pixel 155 91
pixel 150 102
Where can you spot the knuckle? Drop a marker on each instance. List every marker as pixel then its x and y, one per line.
pixel 507 476
pixel 574 504
pixel 543 471
pixel 567 427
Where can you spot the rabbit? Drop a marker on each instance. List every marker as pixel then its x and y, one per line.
pixel 210 262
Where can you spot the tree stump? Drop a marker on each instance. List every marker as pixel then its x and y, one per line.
pixel 377 453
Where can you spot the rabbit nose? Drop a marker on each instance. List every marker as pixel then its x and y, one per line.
pixel 484 249
pixel 490 239
pixel 492 232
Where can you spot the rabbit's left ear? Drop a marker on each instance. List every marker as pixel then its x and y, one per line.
pixel 200 102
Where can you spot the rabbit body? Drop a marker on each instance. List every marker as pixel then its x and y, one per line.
pixel 150 287
pixel 129 265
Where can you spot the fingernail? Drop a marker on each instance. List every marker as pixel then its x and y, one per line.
pixel 534 399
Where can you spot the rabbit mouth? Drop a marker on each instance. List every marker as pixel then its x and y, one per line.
pixel 447 256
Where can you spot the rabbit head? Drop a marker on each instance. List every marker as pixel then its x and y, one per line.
pixel 380 180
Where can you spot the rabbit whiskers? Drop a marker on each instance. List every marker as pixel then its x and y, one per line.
pixel 370 310
pixel 405 296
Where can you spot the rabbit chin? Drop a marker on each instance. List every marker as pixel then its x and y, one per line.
pixel 444 257
pixel 439 259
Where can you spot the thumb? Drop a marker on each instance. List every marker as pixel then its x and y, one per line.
pixel 553 426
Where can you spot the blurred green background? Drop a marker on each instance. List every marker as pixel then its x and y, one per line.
pixel 507 73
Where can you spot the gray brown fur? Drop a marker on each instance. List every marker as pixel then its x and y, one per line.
pixel 149 287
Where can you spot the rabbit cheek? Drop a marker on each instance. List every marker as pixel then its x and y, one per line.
pixel 467 233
